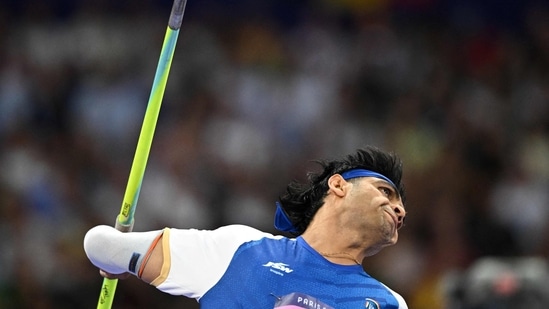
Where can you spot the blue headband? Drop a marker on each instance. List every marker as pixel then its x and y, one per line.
pixel 283 223
pixel 350 174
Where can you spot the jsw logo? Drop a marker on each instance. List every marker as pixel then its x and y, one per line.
pixel 279 266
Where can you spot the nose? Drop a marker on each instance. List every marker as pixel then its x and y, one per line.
pixel 400 212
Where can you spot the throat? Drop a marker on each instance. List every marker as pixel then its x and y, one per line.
pixel 341 255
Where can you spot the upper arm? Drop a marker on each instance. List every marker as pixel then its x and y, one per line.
pixel 194 260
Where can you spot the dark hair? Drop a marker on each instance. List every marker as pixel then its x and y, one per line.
pixel 302 200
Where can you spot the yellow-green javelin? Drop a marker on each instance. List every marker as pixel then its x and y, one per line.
pixel 125 220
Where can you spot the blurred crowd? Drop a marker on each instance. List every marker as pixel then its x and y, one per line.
pixel 257 90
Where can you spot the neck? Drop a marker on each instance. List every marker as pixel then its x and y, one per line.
pixel 335 240
pixel 343 258
pixel 334 250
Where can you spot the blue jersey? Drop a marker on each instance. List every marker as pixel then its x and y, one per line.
pixel 240 267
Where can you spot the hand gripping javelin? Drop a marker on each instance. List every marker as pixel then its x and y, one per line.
pixel 125 220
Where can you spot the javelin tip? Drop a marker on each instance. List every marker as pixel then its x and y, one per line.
pixel 176 16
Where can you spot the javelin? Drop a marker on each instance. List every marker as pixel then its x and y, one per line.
pixel 125 219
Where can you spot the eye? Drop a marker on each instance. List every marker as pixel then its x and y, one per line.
pixel 386 191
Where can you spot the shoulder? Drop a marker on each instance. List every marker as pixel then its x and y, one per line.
pixel 242 232
pixel 239 228
pixel 225 236
pixel 401 302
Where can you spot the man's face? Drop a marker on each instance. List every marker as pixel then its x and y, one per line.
pixel 375 210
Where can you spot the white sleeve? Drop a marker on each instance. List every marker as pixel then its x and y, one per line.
pixel 195 260
pixel 401 302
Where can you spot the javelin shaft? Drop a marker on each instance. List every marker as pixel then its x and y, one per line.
pixel 125 219
pixel 127 211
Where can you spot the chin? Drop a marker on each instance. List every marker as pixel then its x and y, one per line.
pixel 375 250
pixel 391 241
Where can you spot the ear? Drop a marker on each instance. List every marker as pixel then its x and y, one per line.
pixel 337 184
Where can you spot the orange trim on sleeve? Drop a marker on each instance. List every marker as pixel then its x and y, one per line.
pixel 167 262
pixel 148 255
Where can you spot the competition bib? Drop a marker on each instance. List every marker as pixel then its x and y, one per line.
pixel 299 301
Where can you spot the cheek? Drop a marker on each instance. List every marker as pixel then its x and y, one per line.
pixel 369 220
pixel 364 210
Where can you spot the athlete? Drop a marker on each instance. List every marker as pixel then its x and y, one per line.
pixel 348 211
